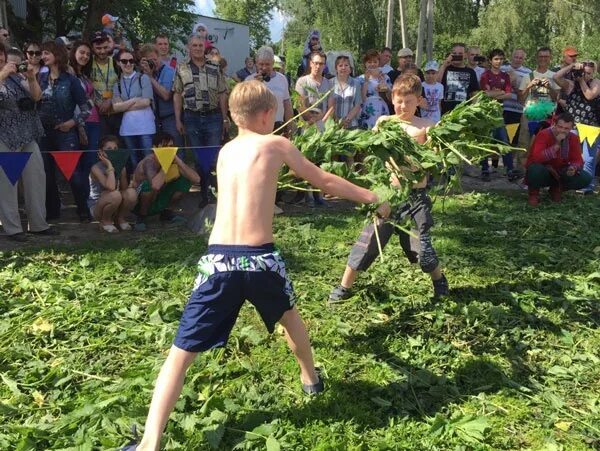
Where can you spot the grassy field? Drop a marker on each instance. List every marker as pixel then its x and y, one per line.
pixel 509 361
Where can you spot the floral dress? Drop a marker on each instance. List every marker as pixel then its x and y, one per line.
pixel 374 105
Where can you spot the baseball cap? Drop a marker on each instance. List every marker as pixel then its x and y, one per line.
pixel 405 52
pixel 570 51
pixel 201 25
pixel 277 62
pixel 432 65
pixel 97 36
pixel 107 18
pixel 63 40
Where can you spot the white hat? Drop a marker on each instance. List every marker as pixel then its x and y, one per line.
pixel 405 52
pixel 432 65
pixel 200 25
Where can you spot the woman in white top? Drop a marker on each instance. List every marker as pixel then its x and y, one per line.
pixel 133 96
pixel 346 98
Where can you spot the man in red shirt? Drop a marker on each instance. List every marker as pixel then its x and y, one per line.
pixel 555 161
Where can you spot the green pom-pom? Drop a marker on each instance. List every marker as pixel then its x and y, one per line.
pixel 538 111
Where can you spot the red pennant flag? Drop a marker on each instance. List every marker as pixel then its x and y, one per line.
pixel 67 161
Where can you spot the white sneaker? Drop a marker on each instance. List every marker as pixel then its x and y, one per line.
pixel 277 210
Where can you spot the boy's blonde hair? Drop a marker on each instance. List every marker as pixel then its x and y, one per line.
pixel 249 98
pixel 406 85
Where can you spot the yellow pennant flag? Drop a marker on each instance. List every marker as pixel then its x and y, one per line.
pixel 588 132
pixel 511 129
pixel 165 156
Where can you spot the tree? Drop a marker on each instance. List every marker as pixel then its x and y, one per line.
pixel 255 13
pixel 141 19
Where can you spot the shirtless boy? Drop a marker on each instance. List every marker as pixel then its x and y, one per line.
pixel 406 96
pixel 241 262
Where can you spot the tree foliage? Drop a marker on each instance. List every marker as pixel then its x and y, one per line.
pixel 358 25
pixel 141 19
pixel 255 13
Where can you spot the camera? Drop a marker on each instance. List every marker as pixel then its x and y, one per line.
pixel 150 63
pixel 457 57
pixel 479 59
pixel 26 104
pixel 21 68
pixel 577 73
pixel 265 77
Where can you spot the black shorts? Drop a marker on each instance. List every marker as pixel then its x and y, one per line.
pixel 228 276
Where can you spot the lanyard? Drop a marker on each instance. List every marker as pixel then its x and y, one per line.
pixel 102 73
pixel 128 88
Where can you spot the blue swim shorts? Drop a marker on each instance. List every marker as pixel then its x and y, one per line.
pixel 228 275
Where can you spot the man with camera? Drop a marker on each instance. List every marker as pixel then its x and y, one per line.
pixel 538 91
pixel 475 60
pixel 460 82
pixel 277 84
pixel 200 103
pixel 583 103
pixel 20 128
pixel 161 76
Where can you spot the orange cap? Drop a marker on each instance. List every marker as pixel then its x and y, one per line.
pixel 570 51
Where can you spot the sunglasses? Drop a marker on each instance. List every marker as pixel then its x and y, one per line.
pixel 34 52
pixel 127 61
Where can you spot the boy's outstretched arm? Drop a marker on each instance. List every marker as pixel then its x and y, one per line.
pixel 329 183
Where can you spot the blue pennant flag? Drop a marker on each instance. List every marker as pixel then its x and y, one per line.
pixel 207 157
pixel 13 164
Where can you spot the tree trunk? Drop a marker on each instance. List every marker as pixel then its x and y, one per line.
pixel 430 7
pixel 421 31
pixel 390 24
pixel 96 9
pixel 402 4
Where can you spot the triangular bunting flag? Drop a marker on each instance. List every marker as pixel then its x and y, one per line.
pixel 511 129
pixel 588 132
pixel 118 158
pixel 165 156
pixel 207 157
pixel 13 164
pixel 67 161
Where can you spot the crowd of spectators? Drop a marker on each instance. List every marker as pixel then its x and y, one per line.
pixel 100 96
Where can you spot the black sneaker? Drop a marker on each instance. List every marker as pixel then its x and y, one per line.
pixel 513 176
pixel 50 231
pixel 440 287
pixel 20 237
pixel 314 389
pixel 339 294
pixel 485 176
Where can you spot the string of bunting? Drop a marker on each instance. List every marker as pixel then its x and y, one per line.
pixel 13 163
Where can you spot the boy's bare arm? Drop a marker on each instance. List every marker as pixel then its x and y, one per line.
pixel 187 171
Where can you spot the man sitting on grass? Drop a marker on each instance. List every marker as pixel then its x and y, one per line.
pixel 242 262
pixel 555 160
pixel 157 190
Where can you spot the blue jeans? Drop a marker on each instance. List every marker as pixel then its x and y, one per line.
pixel 590 160
pixel 142 144
pixel 169 126
pixel 80 185
pixel 500 134
pixel 202 131
pixel 92 130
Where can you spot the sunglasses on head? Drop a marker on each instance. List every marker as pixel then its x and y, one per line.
pixel 127 61
pixel 34 52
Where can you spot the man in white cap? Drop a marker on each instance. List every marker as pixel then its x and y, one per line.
pixel 405 59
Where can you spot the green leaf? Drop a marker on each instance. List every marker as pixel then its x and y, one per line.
pixel 272 444
pixel 214 434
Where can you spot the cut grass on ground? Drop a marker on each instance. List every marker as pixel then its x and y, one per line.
pixel 509 361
